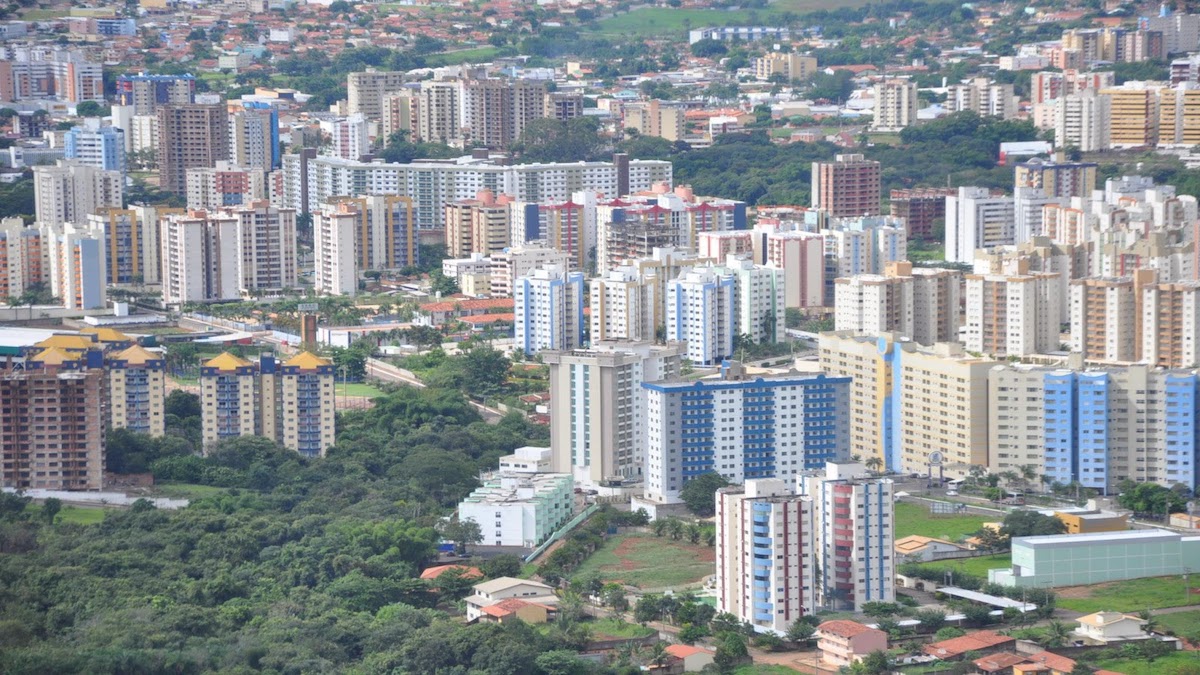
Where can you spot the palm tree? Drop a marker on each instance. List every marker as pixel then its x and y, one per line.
pixel 1057 633
pixel 692 531
pixel 1151 622
pixel 874 464
pixel 1029 475
pixel 658 654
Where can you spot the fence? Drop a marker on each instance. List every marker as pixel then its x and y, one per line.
pixel 561 532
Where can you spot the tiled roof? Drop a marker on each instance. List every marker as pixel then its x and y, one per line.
pixel 138 354
pixel 984 639
pixel 227 361
pixel 844 628
pixel 435 572
pixel 307 361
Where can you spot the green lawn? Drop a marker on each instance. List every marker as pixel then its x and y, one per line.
pixel 619 629
pixel 70 514
pixel 1127 596
pixel 1166 664
pixel 187 490
pixel 926 252
pixel 476 55
pixel 1183 623
pixel 358 389
pixel 976 567
pixel 915 518
pixel 764 669
pixel 185 381
pixel 44 14
pixel 647 561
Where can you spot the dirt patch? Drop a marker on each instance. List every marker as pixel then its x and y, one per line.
pixel 1080 592
pixel 625 548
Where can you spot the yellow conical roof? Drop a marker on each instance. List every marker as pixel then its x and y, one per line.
pixel 307 361
pixel 54 356
pixel 137 354
pixel 70 342
pixel 107 334
pixel 227 361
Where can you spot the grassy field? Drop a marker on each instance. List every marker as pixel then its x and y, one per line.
pixel 1166 664
pixel 764 669
pixel 658 21
pixel 44 14
pixel 914 518
pixel 358 389
pixel 476 55
pixel 186 490
pixel 976 567
pixel 926 252
pixel 647 561
pixel 1183 623
pixel 70 514
pixel 619 629
pixel 1127 596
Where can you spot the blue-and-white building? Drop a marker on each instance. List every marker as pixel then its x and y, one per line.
pixel 743 427
pixel 94 145
pixel 548 306
pixel 701 312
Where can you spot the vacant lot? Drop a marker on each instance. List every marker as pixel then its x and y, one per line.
pixel 1127 596
pixel 915 518
pixel 615 628
pixel 1166 664
pixel 1183 624
pixel 70 514
pixel 647 561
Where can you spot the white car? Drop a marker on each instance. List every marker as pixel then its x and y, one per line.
pixel 951 493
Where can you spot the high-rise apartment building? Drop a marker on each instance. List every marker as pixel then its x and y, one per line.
pixel 568 226
pixel 1105 319
pixel 77 266
pixel 93 145
pixel 291 403
pixel 983 97
pixel 767 558
pixel 917 408
pixel 401 113
pixel 128 253
pixel 480 225
pixel 549 310
pixel 1057 177
pixel 1171 324
pixel 147 92
pixel 355 234
pixel 1179 116
pixel 702 313
pixel 1013 315
pixel 137 390
pixel 855 518
pixel 919 209
pixel 792 66
pixel 225 185
pixel 441 109
pixel 348 136
pixel 1083 120
pixel 254 139
pixel 563 105
pixel 266 248
pixel 69 192
pixel 334 249
pixel 758 299
pixel 190 136
pixel 743 427
pixel 512 263
pixel 722 245
pixel 495 111
pixel 22 262
pixel 976 219
pixel 873 304
pixel 598 407
pixel 45 72
pixel 623 306
pixel 847 186
pixel 801 258
pixel 52 434
pixel 1133 116
pixel 656 119
pixel 365 92
pixel 895 105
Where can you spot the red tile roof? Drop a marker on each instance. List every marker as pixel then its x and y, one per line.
pixel 984 639
pixel 435 572
pixel 468 304
pixel 684 651
pixel 998 662
pixel 1052 660
pixel 488 318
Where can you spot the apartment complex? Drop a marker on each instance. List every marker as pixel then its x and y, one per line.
pixel 137 381
pixel 354 234
pixel 549 310
pixel 767 554
pixel 919 209
pixel 855 518
pixel 976 219
pixel 44 72
pixel 791 66
pixel 52 435
pixel 69 192
pixel 190 136
pixel 520 509
pixel 1057 178
pixel 365 91
pixel 656 119
pixel 93 145
pixel 743 426
pixel 702 313
pixel 145 93
pixel 224 185
pixel 800 256
pixel 983 97
pixel 21 258
pixel 290 402
pixel 623 306
pixel 1013 315
pixel 895 105
pixel 76 266
pixel 598 407
pixel 479 225
pixel 847 187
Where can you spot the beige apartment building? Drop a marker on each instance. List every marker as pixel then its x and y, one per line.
pixel 137 390
pixel 190 136
pixel 1013 315
pixel 792 66
pixel 480 225
pixel 365 91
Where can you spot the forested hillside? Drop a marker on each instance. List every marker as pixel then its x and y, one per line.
pixel 305 566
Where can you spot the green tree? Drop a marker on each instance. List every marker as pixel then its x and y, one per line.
pixel 709 48
pixel 50 509
pixel 875 663
pixel 699 493
pixel 731 652
pixel 1025 523
pixel 800 632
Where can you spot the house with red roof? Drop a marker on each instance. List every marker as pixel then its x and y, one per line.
pixel 984 642
pixel 515 609
pixel 842 642
pixel 693 659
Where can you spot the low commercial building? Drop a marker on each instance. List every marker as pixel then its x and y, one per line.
pixel 1090 522
pixel 1084 559
pixel 523 510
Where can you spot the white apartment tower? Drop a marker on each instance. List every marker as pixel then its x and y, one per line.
pixel 974 220
pixel 758 300
pixel 622 305
pixel 895 105
pixel 873 304
pixel 598 407
pixel 69 192
pixel 549 310
pixel 766 554
pixel 701 312
pixel 334 239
